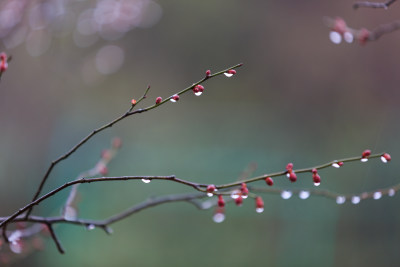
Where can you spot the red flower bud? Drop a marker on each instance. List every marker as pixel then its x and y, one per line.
pixel 208 73
pixel 174 98
pixel 244 189
pixel 366 153
pixel 239 201
pixel 133 101
pixel 386 158
pixel 158 100
pixel 292 177
pixel 211 188
pixel 3 66
pixel 289 167
pixel 316 178
pixel 339 26
pixel 259 204
pixel 314 171
pixel 269 181
pixel 221 201
pixel 363 36
pixel 3 56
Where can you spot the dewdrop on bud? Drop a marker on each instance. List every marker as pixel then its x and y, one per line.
pixel 335 37
pixel 146 181
pixel 244 191
pixel 210 190
pixel 158 100
pixel 316 179
pixel 235 194
pixel 286 194
pixel 259 205
pixel 340 200
pixel 377 195
pixel 355 200
pixel 364 156
pixel 348 37
pixel 385 158
pixel 230 73
pixel 304 194
pixel 337 164
pixel 174 98
pixel 219 215
pixel 198 90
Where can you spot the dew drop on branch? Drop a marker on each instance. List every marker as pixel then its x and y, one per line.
pixel 377 195
pixel 198 93
pixel 146 181
pixel 340 199
pixel 383 159
pixel 16 247
pixel 218 217
pixel 304 194
pixel 317 184
pixel 336 165
pixel 348 37
pixel 335 37
pixel 210 194
pixel 259 210
pixel 286 194
pixel 355 200
pixel 391 192
pixel 90 227
pixel 228 74
pixel 364 159
pixel 235 194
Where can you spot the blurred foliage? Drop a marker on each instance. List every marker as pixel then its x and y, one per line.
pixel 299 98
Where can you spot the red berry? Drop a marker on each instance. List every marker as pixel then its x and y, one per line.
pixel 269 181
pixel 158 100
pixel 366 153
pixel 293 177
pixel 221 201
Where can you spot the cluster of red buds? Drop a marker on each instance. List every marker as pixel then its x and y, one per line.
pixel 365 155
pixel 339 31
pixel 230 73
pixel 385 158
pixel 290 173
pixel 3 62
pixel 211 189
pixel 174 98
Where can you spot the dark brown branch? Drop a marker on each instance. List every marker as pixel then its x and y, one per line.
pixel 110 124
pixel 373 4
pixel 56 240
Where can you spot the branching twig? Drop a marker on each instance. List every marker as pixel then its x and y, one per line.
pixel 373 4
pixel 55 238
pixel 110 124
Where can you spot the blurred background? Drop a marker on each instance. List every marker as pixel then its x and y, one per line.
pixel 298 98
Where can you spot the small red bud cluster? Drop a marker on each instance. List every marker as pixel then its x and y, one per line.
pixel 174 98
pixel 340 30
pixel 230 73
pixel 386 158
pixel 210 190
pixel 290 173
pixel 3 62
pixel 198 89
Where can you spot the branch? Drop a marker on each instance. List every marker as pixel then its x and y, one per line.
pixel 110 124
pixel 56 240
pixel 373 4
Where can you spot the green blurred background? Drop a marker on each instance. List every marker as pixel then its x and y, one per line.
pixel 299 98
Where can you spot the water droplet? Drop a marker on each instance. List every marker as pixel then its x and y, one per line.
pixel 317 184
pixel 304 194
pixel 15 236
pixel 377 195
pixel 336 165
pixel 391 192
pixel 172 100
pixel 364 160
pixel 335 37
pixel 146 181
pixel 355 200
pixel 287 175
pixel 259 210
pixel 90 227
pixel 286 194
pixel 198 93
pixel 244 196
pixel 235 194
pixel 340 200
pixel 108 230
pixel 383 159
pixel 228 74
pixel 219 217
pixel 348 37
pixel 16 247
pixel 210 194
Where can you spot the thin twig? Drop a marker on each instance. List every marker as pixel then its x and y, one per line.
pixel 56 240
pixel 373 4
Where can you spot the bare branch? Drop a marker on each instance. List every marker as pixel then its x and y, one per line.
pixel 56 240
pixel 373 4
